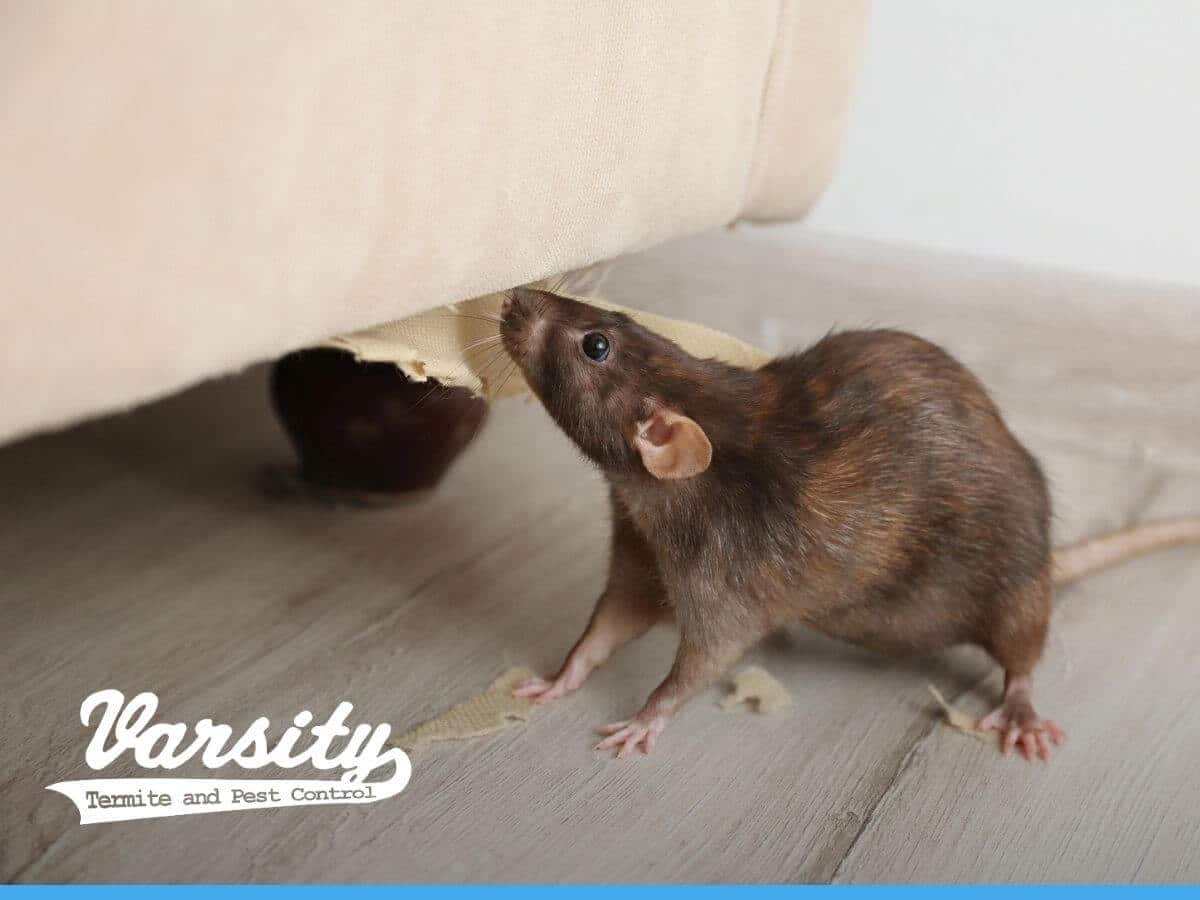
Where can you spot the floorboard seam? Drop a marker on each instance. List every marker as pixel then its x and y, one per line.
pixel 33 863
pixel 903 767
pixel 905 762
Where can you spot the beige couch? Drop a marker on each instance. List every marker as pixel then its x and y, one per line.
pixel 189 188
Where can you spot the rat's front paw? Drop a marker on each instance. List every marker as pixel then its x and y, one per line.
pixel 544 690
pixel 632 735
pixel 541 690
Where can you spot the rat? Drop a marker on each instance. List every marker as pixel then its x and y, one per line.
pixel 866 487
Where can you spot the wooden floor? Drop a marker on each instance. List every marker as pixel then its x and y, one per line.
pixel 138 552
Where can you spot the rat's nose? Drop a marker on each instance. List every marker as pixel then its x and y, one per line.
pixel 518 298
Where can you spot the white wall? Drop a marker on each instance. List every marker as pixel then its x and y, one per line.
pixel 1064 132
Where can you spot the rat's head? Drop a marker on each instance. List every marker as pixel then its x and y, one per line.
pixel 617 389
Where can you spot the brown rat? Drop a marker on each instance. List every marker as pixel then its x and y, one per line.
pixel 866 487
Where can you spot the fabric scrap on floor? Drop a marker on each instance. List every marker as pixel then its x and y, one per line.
pixel 487 713
pixel 759 690
pixel 956 718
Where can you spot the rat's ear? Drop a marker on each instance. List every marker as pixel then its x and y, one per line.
pixel 672 445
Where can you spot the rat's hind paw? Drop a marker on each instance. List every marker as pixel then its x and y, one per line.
pixel 632 735
pixel 1020 727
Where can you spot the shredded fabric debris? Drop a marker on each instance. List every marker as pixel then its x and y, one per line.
pixel 459 345
pixel 956 718
pixel 760 691
pixel 487 713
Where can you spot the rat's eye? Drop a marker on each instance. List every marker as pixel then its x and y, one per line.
pixel 595 346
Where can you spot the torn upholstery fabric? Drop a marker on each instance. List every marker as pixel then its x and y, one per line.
pixel 457 345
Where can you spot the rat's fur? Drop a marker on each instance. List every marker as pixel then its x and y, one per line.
pixel 867 487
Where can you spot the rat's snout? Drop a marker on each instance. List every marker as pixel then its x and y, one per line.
pixel 522 318
pixel 519 299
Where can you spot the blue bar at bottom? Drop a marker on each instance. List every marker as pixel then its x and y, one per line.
pixel 619 892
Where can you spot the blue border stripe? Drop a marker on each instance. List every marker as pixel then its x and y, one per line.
pixel 615 892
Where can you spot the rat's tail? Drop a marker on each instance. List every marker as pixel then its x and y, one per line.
pixel 1093 554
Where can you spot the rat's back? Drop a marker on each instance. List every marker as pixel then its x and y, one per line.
pixel 927 506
